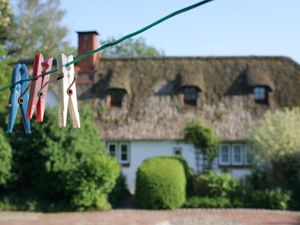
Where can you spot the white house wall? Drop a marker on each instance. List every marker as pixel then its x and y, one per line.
pixel 141 150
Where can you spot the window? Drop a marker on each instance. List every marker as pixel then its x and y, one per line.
pixel 117 96
pixel 190 96
pixel 120 151
pixel 112 149
pixel 233 155
pixel 237 155
pixel 260 94
pixel 124 154
pixel 177 151
pixel 224 155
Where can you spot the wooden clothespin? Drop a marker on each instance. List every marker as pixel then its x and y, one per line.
pixel 67 91
pixel 18 97
pixel 39 87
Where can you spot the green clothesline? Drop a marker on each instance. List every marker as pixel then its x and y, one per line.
pixel 83 56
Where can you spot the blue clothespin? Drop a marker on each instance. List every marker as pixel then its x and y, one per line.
pixel 19 97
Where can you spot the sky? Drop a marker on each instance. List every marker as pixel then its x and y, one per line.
pixel 219 28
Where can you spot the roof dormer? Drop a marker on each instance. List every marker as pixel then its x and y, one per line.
pixel 191 84
pixel 260 83
pixel 118 89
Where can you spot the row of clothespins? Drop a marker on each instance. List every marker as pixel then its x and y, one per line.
pixel 35 98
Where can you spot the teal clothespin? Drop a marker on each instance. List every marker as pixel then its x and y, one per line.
pixel 19 97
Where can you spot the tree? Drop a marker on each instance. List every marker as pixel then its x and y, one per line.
pixel 130 48
pixel 5 77
pixel 69 165
pixel 275 146
pixel 5 20
pixel 37 27
pixel 205 142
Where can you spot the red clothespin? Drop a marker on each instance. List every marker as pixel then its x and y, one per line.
pixel 39 87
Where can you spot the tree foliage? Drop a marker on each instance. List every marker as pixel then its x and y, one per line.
pixel 275 144
pixel 204 140
pixel 5 18
pixel 37 27
pixel 67 164
pixel 130 48
pixel 5 159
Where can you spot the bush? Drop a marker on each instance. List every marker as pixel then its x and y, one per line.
pixel 5 159
pixel 269 199
pixel 215 185
pixel 120 192
pixel 161 183
pixel 207 202
pixel 64 165
pixel 275 146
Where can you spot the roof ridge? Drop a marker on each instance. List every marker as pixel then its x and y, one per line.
pixel 199 57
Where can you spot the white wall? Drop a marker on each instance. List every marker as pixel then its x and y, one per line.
pixel 141 150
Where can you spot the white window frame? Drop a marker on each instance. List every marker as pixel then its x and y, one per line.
pixel 234 163
pixel 120 153
pixel 221 162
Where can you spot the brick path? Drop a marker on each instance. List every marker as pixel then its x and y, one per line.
pixel 142 217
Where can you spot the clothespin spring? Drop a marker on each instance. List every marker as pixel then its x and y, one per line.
pixel 40 93
pixel 21 98
pixel 69 90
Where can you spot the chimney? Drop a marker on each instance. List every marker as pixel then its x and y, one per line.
pixel 87 41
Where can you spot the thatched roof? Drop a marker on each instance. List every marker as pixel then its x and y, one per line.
pixel 192 76
pixel 260 75
pixel 154 111
pixel 119 79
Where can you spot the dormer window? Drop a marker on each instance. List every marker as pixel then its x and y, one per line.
pixel 116 97
pixel 190 95
pixel 261 94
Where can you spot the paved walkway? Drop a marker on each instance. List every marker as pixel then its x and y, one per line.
pixel 142 217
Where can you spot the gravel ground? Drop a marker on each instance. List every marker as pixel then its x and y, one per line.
pixel 162 217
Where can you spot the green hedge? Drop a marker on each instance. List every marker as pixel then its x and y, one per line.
pixel 161 183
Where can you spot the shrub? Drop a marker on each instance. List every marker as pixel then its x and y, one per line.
pixel 5 159
pixel 69 165
pixel 161 183
pixel 270 199
pixel 215 185
pixel 207 202
pixel 275 145
pixel 120 192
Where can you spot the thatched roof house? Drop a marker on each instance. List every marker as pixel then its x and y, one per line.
pixel 152 98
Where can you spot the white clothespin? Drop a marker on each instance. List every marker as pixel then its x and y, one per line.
pixel 67 92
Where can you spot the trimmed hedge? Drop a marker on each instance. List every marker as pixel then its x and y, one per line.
pixel 161 183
